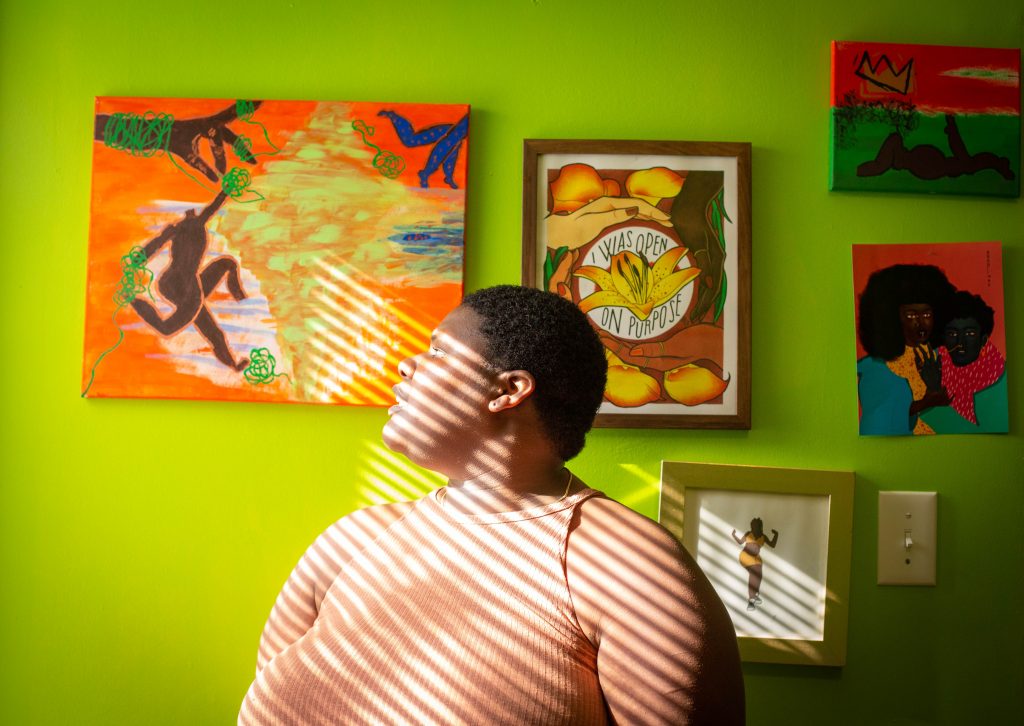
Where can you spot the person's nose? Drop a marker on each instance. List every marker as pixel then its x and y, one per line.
pixel 407 367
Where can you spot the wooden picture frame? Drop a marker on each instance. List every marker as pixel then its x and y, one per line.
pixel 798 612
pixel 652 240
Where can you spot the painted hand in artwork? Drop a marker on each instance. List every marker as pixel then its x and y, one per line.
pixel 641 374
pixel 187 134
pixel 148 134
pixel 696 343
pixel 929 365
pixel 575 229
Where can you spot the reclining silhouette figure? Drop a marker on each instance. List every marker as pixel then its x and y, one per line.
pixel 929 162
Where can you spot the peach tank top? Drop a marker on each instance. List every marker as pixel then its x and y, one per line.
pixel 443 619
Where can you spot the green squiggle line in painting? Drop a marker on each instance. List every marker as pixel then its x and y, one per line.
pixel 236 183
pixel 245 110
pixel 261 368
pixel 136 279
pixel 386 162
pixel 145 135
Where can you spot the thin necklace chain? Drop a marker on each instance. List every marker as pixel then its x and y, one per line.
pixel 568 486
pixel 441 495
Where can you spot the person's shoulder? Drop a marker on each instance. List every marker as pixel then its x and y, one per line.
pixel 380 513
pixel 609 523
pixel 603 510
pixel 366 524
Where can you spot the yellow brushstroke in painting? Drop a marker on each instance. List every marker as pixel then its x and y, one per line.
pixel 365 322
pixel 324 226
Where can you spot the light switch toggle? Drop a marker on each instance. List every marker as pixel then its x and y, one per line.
pixel 907 538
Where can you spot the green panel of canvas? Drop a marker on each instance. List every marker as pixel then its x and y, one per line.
pixel 925 119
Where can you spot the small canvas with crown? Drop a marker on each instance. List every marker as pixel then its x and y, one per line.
pixel 925 118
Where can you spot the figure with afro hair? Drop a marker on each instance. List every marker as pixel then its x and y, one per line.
pixel 902 312
pixel 973 371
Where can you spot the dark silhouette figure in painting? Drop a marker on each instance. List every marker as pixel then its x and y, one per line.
pixel 750 557
pixel 186 286
pixel 929 162
pixel 446 138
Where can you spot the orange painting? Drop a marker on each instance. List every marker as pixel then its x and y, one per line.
pixel 270 250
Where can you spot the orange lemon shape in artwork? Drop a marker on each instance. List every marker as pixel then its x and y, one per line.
pixel 628 386
pixel 576 185
pixel 653 185
pixel 692 384
pixel 633 282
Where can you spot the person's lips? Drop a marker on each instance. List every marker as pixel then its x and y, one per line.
pixel 400 399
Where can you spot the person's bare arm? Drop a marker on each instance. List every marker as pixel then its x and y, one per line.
pixel 298 603
pixel 667 651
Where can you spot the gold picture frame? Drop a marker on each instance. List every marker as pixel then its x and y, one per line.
pixel 788 593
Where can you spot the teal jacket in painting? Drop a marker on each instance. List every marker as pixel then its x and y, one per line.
pixel 989 406
pixel 885 400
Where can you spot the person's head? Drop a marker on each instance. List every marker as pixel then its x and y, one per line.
pixel 756 527
pixel 549 337
pixel 917 323
pixel 970 325
pixel 903 305
pixel 505 352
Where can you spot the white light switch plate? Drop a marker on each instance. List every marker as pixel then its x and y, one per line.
pixel 906 538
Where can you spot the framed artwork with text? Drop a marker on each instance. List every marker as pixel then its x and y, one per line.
pixel 651 239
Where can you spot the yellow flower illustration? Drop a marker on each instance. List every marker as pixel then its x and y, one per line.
pixel 633 282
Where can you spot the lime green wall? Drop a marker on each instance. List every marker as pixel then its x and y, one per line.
pixel 142 542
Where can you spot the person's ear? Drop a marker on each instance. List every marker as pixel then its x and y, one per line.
pixel 514 388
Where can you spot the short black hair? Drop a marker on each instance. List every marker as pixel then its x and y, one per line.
pixel 964 305
pixel 540 332
pixel 890 287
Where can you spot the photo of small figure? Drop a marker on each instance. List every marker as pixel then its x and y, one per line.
pixel 750 557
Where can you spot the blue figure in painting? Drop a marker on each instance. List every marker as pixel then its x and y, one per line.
pixel 447 140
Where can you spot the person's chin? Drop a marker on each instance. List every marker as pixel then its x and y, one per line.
pixel 393 437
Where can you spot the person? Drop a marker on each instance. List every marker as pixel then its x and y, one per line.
pixel 973 370
pixel 902 313
pixel 750 557
pixel 515 594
